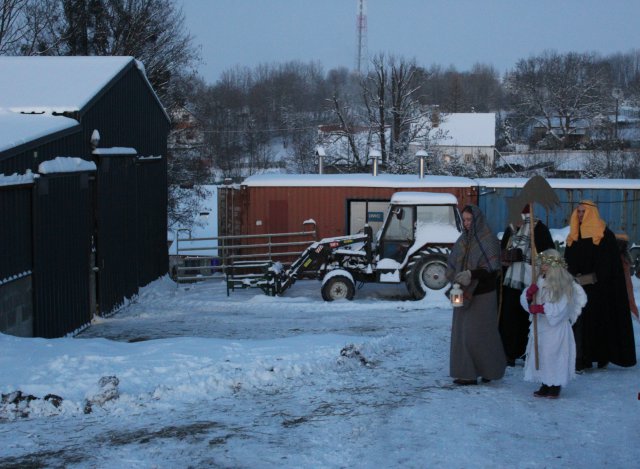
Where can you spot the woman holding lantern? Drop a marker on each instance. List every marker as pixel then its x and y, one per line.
pixel 474 264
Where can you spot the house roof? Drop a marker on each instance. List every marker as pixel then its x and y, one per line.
pixel 468 129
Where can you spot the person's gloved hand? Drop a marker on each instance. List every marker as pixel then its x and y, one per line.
pixel 536 309
pixel 532 290
pixel 463 278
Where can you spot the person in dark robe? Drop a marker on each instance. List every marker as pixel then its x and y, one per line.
pixel 516 268
pixel 474 263
pixel 623 246
pixel 604 332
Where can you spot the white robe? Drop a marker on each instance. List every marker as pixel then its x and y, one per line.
pixel 556 344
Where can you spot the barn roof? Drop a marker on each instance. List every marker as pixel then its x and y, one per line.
pixel 355 180
pixel 34 91
pixel 55 84
pixel 17 129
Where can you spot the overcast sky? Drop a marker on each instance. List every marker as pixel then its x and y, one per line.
pixel 444 32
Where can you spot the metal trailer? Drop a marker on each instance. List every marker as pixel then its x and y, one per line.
pixel 618 202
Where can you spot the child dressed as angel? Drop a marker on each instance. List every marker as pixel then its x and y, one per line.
pixel 556 300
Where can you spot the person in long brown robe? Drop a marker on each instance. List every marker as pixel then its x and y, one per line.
pixel 474 263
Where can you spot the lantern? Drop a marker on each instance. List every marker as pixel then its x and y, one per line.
pixel 455 295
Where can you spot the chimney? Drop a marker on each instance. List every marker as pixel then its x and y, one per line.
pixel 422 155
pixel 320 154
pixel 374 155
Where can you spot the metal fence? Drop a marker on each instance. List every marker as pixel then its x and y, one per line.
pixel 234 252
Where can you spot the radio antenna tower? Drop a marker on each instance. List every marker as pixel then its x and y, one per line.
pixel 361 31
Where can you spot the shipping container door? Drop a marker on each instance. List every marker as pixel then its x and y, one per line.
pixel 278 216
pixel 362 212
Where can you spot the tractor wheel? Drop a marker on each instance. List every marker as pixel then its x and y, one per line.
pixel 338 288
pixel 425 271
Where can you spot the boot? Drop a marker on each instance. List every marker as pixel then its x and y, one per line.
pixel 554 392
pixel 542 392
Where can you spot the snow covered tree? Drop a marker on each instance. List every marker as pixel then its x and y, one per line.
pixel 391 93
pixel 557 91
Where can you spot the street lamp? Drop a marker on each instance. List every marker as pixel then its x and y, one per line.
pixel 617 95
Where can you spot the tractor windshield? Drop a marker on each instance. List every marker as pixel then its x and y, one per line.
pixel 398 234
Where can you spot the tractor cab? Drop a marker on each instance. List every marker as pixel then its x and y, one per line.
pixel 416 219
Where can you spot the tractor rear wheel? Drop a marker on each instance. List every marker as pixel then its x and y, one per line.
pixel 425 272
pixel 338 287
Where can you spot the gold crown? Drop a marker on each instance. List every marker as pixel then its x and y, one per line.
pixel 552 261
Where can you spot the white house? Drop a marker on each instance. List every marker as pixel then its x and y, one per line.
pixel 463 136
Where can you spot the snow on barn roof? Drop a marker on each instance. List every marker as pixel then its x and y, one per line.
pixel 355 180
pixel 468 129
pixel 34 89
pixel 65 164
pixel 423 198
pixel 17 129
pixel 54 84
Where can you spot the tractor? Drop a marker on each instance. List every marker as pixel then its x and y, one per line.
pixel 411 248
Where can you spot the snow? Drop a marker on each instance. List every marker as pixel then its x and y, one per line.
pixel 468 129
pixel 18 129
pixel 16 179
pixel 423 198
pixel 205 226
pixel 206 380
pixel 61 164
pixel 111 151
pixel 355 180
pixel 55 84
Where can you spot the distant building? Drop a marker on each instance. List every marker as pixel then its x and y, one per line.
pixel 465 137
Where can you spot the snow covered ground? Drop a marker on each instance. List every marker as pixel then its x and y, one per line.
pixel 250 381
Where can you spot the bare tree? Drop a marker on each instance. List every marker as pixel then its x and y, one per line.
pixel 557 91
pixel 13 25
pixel 391 95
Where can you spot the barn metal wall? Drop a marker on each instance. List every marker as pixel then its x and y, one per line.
pixel 16 289
pixel 61 241
pixel 29 156
pixel 620 208
pixel 129 115
pixel 118 237
pixel 15 230
pixel 153 255
pixel 328 206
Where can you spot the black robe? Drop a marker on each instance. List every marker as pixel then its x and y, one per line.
pixel 514 321
pixel 603 332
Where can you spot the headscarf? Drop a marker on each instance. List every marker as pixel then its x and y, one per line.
pixel 592 225
pixel 477 248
